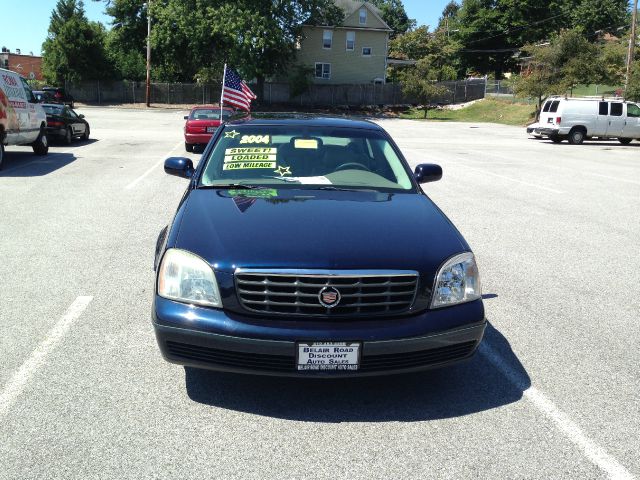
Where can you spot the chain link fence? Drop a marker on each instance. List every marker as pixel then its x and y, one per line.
pixel 497 88
pixel 121 92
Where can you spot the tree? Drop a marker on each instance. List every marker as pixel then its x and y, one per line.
pixel 300 80
pixel 412 45
pixel 450 10
pixel 569 60
pixel 633 87
pixel 193 39
pixel 491 31
pixel 439 50
pixel 262 35
pixel 449 19
pixel 420 83
pixel 74 49
pixel 394 15
pixel 594 15
pixel 127 39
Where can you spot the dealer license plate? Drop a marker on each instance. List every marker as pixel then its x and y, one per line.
pixel 211 129
pixel 328 356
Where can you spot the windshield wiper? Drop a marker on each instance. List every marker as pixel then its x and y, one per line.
pixel 224 186
pixel 283 179
pixel 343 189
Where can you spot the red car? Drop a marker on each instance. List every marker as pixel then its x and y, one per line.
pixel 202 122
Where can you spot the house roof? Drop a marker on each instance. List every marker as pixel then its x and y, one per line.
pixel 350 6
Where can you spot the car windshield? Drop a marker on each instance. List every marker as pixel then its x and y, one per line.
pixel 53 109
pixel 301 155
pixel 208 114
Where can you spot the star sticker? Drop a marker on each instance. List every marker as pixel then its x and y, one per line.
pixel 283 171
pixel 231 134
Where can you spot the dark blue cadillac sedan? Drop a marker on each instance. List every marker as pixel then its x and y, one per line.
pixel 306 247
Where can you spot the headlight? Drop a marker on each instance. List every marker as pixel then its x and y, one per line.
pixel 187 278
pixel 457 281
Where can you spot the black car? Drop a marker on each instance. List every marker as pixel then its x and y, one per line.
pixel 59 95
pixel 65 124
pixel 44 97
pixel 305 246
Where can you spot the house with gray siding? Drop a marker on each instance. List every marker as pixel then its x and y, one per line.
pixel 353 52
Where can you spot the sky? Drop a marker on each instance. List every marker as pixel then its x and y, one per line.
pixel 27 30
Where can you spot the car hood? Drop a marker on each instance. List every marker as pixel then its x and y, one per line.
pixel 315 229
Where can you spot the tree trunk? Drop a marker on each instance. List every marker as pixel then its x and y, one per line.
pixel 260 89
pixel 425 112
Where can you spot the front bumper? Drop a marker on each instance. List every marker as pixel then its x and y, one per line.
pixel 226 342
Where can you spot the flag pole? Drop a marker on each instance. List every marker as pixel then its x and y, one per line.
pixel 224 74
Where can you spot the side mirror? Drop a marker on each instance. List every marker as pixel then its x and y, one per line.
pixel 428 172
pixel 186 117
pixel 81 116
pixel 179 166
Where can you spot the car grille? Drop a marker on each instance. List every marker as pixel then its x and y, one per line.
pixel 286 363
pixel 379 363
pixel 228 358
pixel 298 293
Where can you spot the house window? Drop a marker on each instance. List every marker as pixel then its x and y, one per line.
pixel 363 16
pixel 351 41
pixel 323 70
pixel 366 51
pixel 327 38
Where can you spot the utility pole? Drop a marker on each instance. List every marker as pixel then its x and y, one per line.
pixel 632 44
pixel 149 53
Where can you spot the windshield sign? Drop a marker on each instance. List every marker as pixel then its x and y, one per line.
pixel 292 155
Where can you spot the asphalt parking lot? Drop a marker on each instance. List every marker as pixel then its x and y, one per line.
pixel 552 393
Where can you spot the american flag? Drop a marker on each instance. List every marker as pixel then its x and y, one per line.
pixel 235 91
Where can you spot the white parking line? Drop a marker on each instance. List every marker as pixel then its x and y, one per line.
pixel 21 377
pixel 594 452
pixel 153 167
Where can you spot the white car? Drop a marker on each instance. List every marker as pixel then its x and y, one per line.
pixel 580 119
pixel 22 119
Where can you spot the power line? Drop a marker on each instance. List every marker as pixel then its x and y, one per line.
pixel 517 29
pixel 515 49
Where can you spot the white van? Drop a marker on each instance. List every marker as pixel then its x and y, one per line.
pixel 22 120
pixel 579 119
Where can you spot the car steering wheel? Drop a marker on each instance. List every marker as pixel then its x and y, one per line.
pixel 358 166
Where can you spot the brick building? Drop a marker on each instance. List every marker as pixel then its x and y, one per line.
pixel 29 66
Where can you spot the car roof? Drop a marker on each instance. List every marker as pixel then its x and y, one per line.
pixel 53 105
pixel 301 119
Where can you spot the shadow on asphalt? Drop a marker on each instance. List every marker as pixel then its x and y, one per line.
pixel 28 164
pixel 467 388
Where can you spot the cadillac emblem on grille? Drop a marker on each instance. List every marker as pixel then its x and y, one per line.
pixel 329 297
